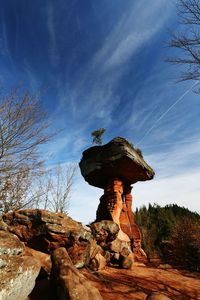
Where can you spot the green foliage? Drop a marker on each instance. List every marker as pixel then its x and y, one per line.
pixel 172 232
pixel 97 136
pixel 186 244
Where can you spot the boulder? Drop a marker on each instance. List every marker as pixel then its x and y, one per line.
pixel 122 253
pixel 17 277
pixel 43 258
pixel 120 246
pixel 69 283
pixel 157 296
pixel 116 159
pixel 98 262
pixel 43 230
pixel 105 231
pixel 80 253
pixel 126 261
pixel 114 250
pixel 17 272
pixel 10 244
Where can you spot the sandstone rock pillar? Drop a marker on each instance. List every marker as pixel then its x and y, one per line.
pixel 127 217
pixel 111 204
pixel 129 226
pixel 114 167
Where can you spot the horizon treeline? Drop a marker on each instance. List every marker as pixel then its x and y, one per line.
pixel 172 233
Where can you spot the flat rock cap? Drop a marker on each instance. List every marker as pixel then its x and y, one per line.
pixel 116 159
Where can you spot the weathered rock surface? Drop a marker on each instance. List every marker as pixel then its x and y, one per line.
pixel 43 258
pixel 105 231
pixel 143 282
pixel 43 230
pixel 20 266
pixel 70 284
pixel 115 250
pixel 98 262
pixel 10 244
pixel 17 277
pixel 157 296
pixel 114 167
pixel 17 272
pixel 111 204
pixel 117 159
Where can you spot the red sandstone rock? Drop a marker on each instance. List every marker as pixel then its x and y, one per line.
pixel 117 159
pixel 80 253
pixel 43 230
pixel 116 205
pixel 44 259
pixel 98 262
pixel 114 167
pixel 105 231
pixel 70 284
pixel 157 296
pixel 10 244
pixel 111 204
pixel 140 282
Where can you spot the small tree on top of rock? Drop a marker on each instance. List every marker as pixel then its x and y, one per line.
pixel 97 136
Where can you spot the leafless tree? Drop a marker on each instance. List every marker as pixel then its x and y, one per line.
pixel 18 190
pixel 55 188
pixel 23 128
pixel 187 40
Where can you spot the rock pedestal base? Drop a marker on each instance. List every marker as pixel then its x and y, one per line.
pixel 116 205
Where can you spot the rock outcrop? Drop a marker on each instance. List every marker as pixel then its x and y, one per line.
pixel 113 249
pixel 26 273
pixel 114 167
pixel 116 159
pixel 69 283
pixel 45 231
pixel 17 271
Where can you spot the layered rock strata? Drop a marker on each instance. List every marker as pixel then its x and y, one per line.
pixel 116 159
pixel 115 167
pixel 30 238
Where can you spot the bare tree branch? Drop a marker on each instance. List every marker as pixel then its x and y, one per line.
pixel 23 128
pixel 187 41
pixel 56 187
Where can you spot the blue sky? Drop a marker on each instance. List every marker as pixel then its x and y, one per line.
pixel 100 64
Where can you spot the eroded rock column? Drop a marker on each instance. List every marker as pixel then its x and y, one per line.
pixel 111 204
pixel 128 225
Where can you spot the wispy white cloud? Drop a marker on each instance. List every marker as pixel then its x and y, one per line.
pixel 56 147
pixel 53 52
pixel 135 28
pixel 84 201
pixel 182 189
pixel 166 111
pixel 175 160
pixel 32 78
pixel 94 95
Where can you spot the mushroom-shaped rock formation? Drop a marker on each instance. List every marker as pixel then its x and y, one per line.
pixel 117 159
pixel 114 167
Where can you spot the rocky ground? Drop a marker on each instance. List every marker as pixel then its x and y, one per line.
pixel 137 284
pixel 45 255
pixel 142 281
